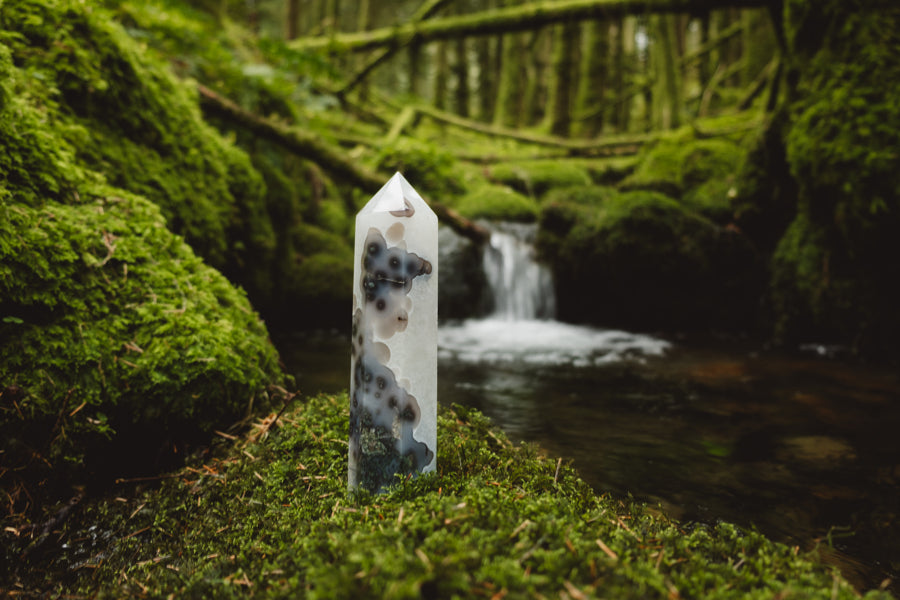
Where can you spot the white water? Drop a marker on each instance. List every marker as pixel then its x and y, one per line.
pixel 522 330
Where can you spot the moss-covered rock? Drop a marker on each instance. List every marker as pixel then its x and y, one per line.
pixel 110 93
pixel 535 178
pixel 765 201
pixel 701 172
pixel 841 148
pixel 116 339
pixel 652 262
pixel 139 126
pixel 271 517
pixel 497 203
pixel 320 279
pixel 811 303
pixel 431 168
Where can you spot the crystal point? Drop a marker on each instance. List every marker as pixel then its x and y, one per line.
pixel 393 381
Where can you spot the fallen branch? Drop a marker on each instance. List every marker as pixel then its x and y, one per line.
pixel 424 12
pixel 327 156
pixel 525 17
pixel 607 146
pixel 710 45
pixel 759 84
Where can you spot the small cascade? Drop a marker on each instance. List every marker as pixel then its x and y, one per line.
pixel 522 289
pixel 521 331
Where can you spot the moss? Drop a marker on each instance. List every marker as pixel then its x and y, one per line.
pixel 657 264
pixel 841 148
pixel 431 168
pixel 535 177
pixel 813 295
pixel 113 327
pixel 765 201
pixel 699 172
pixel 141 127
pixel 109 91
pixel 115 337
pixel 271 517
pixel 497 203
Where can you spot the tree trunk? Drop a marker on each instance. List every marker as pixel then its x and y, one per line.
pixel 564 78
pixel 439 92
pixel 461 77
pixel 593 78
pixel 415 71
pixel 487 69
pixel 535 68
pixel 424 12
pixel 510 19
pixel 599 147
pixel 667 93
pixel 292 20
pixel 509 93
pixel 704 64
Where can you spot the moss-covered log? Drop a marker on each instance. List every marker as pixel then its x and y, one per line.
pixel 505 20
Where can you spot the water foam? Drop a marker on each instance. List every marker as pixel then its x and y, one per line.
pixel 534 342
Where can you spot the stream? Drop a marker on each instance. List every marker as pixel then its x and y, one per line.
pixel 802 445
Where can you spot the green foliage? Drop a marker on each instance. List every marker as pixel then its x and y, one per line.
pixel 658 264
pixel 497 203
pixel 534 178
pixel 271 517
pixel 260 74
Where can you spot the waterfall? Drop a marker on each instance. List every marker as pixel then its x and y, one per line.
pixel 522 332
pixel 522 289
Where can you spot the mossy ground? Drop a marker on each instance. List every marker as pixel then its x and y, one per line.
pixel 270 516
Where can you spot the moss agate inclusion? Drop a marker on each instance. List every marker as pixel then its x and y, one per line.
pixel 393 366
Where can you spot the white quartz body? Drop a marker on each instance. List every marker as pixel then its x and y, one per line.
pixel 395 326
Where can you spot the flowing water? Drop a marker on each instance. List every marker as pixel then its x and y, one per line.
pixel 803 446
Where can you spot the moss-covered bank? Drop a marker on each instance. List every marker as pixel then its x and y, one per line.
pixel 831 172
pixel 652 262
pixel 271 517
pixel 109 91
pixel 117 342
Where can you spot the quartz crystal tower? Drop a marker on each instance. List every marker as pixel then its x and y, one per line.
pixel 393 381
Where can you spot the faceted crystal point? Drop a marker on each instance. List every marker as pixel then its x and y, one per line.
pixel 393 386
pixel 395 196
